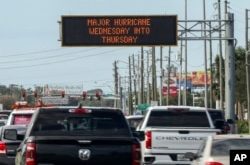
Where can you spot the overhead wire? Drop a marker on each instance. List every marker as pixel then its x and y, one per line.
pixel 46 57
pixel 31 53
pixel 60 61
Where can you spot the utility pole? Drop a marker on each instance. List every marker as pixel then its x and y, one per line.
pixel 134 78
pixel 154 86
pixel 220 59
pixel 247 69
pixel 121 94
pixel 130 88
pixel 138 80
pixel 211 66
pixel 180 76
pixel 226 3
pixel 116 82
pixel 230 68
pixel 169 70
pixel 142 75
pixel 161 76
pixel 148 75
pixel 205 52
pixel 185 84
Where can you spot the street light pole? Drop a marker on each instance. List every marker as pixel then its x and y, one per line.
pixel 247 71
pixel 161 76
pixel 130 88
pixel 142 76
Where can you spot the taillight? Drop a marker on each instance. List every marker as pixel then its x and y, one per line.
pixel 2 147
pixel 136 154
pixel 148 141
pixel 227 128
pixel 213 163
pixel 30 154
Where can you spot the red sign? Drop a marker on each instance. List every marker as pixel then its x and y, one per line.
pixel 172 90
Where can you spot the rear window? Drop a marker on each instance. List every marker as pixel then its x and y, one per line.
pixel 178 119
pixel 22 119
pixel 56 122
pixel 134 122
pixel 222 147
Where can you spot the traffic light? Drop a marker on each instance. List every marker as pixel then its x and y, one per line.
pixel 23 94
pixel 98 96
pixel 63 94
pixel 35 94
pixel 84 95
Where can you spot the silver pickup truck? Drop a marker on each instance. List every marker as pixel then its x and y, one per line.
pixel 171 131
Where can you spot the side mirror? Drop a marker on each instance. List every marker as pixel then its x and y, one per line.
pixel 219 124
pixel 230 121
pixel 139 134
pixel 10 134
pixel 133 129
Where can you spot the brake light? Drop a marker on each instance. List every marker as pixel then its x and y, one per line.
pixel 148 140
pixel 79 110
pixel 213 163
pixel 227 128
pixel 136 154
pixel 30 154
pixel 2 147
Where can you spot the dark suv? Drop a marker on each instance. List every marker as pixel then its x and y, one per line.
pixel 8 146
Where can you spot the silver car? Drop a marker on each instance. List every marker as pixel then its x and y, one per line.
pixel 216 150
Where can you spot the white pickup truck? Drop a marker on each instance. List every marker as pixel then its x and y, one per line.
pixel 171 131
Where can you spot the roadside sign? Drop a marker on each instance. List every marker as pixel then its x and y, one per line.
pixel 53 100
pixel 119 30
pixel 143 107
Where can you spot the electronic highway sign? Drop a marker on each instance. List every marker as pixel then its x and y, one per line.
pixel 119 30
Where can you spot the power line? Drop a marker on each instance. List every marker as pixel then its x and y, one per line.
pixel 29 53
pixel 60 61
pixel 48 57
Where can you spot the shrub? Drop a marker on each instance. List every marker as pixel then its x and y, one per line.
pixel 242 126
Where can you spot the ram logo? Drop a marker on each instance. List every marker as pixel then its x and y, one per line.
pixel 84 154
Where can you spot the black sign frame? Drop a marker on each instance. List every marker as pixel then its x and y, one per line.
pixel 140 30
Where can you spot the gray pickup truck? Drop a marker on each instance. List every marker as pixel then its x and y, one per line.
pixel 84 135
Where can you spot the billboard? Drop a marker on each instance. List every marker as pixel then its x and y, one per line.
pixel 173 91
pixel 119 30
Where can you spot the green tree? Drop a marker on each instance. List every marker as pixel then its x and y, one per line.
pixel 7 101
pixel 240 71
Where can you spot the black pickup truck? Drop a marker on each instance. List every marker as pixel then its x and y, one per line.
pixel 79 136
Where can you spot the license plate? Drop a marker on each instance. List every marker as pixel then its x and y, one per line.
pixel 181 157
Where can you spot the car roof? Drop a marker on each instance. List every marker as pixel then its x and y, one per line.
pixel 84 107
pixel 232 136
pixel 14 126
pixel 23 111
pixel 196 108
pixel 135 117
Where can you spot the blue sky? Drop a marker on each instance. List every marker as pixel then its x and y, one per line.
pixel 30 52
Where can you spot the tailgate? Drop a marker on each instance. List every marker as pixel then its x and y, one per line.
pixel 85 151
pixel 11 148
pixel 178 140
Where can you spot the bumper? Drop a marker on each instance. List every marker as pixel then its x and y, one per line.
pixel 163 159
pixel 4 160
